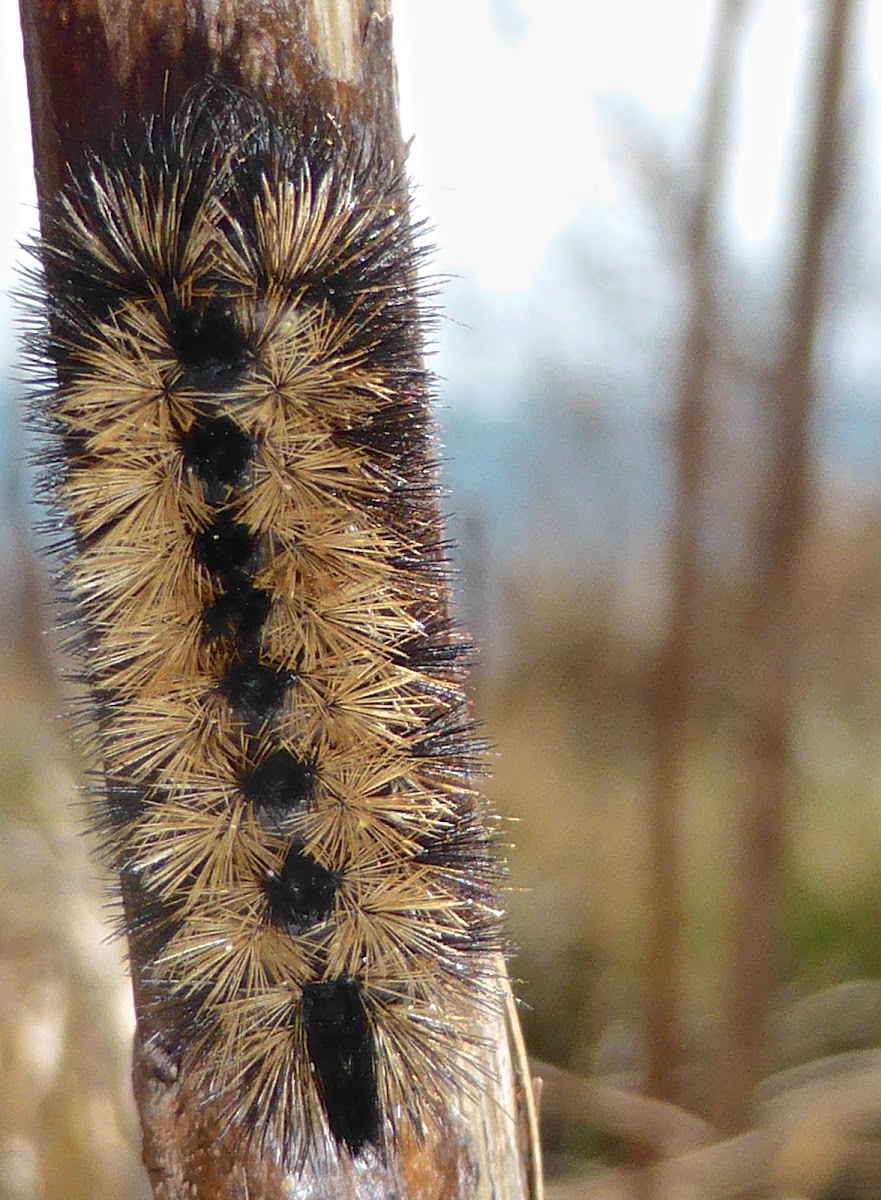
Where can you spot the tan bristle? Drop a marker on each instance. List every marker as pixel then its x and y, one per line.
pixel 244 462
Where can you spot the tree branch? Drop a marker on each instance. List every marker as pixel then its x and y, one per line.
pixel 92 65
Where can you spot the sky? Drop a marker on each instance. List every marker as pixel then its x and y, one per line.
pixel 521 159
pixel 515 151
pixel 512 106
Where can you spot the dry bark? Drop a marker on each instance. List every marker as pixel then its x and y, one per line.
pixel 677 660
pixel 92 65
pixel 773 635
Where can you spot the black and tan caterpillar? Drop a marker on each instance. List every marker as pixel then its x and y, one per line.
pixel 236 412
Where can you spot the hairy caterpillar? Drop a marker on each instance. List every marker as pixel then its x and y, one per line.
pixel 239 446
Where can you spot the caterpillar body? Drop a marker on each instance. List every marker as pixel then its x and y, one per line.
pixel 236 409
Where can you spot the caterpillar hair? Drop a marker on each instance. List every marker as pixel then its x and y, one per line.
pixel 235 409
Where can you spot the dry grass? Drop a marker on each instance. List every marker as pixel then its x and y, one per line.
pixel 67 1125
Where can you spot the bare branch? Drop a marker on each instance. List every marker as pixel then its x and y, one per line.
pixel 677 661
pixel 91 66
pixel 782 519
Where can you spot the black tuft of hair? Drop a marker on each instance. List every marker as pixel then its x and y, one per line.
pixel 255 691
pixel 210 345
pixel 218 450
pixel 340 1047
pixel 302 893
pixel 238 614
pixel 282 783
pixel 226 547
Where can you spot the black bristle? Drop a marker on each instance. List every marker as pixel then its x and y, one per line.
pixel 124 801
pixel 217 449
pixel 438 651
pixel 332 292
pixel 151 922
pixel 466 857
pixel 340 1047
pixel 225 547
pixel 399 430
pixel 453 741
pixel 238 614
pixel 75 448
pixel 255 691
pixel 281 784
pixel 89 280
pixel 209 344
pixel 302 893
pixel 464 847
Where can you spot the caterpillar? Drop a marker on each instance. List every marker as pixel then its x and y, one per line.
pixel 239 451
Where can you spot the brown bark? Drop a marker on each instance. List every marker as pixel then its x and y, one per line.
pixel 677 659
pixel 784 510
pixel 91 65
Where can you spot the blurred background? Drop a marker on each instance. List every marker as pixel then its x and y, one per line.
pixel 659 231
